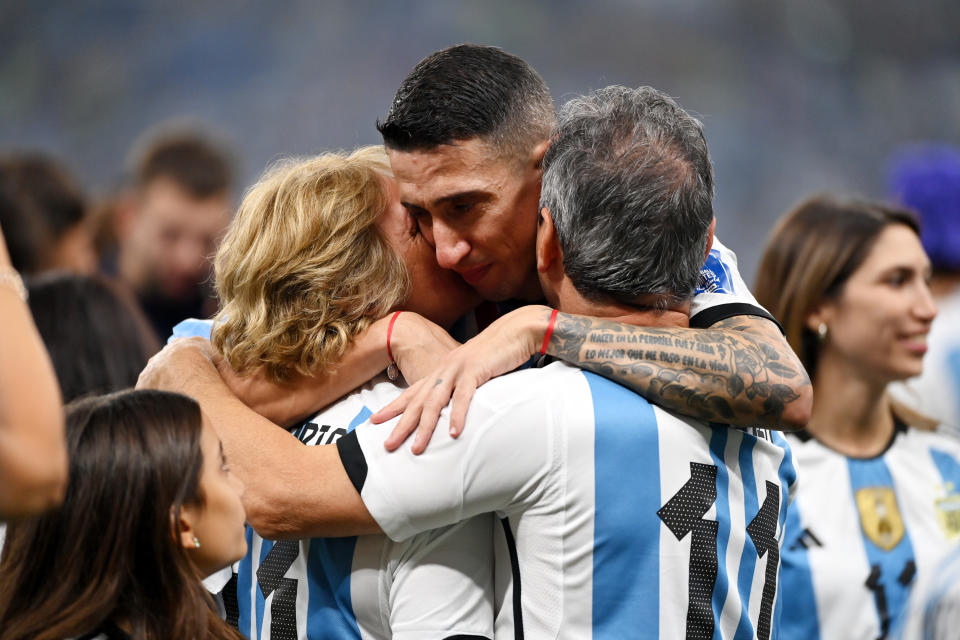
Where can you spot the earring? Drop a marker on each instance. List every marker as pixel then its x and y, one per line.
pixel 822 332
pixel 196 543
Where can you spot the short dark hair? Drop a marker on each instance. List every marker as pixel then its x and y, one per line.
pixel 628 183
pixel 39 202
pixel 193 161
pixel 96 335
pixel 469 91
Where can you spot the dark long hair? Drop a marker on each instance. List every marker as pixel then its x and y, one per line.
pixel 111 553
pixel 96 335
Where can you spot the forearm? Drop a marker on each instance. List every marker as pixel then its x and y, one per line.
pixel 740 371
pixel 290 403
pixel 33 456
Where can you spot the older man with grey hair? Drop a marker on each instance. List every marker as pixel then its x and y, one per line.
pixel 619 518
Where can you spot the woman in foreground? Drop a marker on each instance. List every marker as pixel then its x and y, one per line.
pixel 151 508
pixel 878 496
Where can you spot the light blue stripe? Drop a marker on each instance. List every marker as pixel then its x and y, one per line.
pixel 874 473
pixel 245 584
pixel 359 419
pixel 788 477
pixel 626 555
pixel 800 619
pixel 748 559
pixel 948 467
pixel 265 547
pixel 718 443
pixel 191 328
pixel 330 609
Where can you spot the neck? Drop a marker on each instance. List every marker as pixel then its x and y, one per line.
pixel 851 412
pixel 569 300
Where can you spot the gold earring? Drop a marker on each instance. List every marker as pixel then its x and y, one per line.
pixel 196 543
pixel 822 331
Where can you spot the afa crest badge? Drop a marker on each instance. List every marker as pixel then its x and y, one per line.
pixel 880 516
pixel 948 513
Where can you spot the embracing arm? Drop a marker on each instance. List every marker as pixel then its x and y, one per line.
pixel 292 490
pixel 418 346
pixel 738 371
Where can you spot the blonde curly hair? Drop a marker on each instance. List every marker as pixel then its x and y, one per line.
pixel 303 267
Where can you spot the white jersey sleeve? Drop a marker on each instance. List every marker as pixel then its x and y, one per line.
pixel 721 293
pixel 407 494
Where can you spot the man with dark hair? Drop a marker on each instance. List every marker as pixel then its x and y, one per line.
pixel 44 214
pixel 619 517
pixel 178 210
pixel 466 135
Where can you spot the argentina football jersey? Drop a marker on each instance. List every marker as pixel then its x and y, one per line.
pixel 621 520
pixel 864 531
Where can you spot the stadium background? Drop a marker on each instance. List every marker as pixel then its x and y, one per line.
pixel 797 97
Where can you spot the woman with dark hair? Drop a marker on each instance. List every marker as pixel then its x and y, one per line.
pixel 94 331
pixel 878 500
pixel 151 508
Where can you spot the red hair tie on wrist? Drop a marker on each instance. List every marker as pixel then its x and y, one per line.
pixel 546 336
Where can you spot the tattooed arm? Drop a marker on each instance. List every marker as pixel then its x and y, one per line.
pixel 739 371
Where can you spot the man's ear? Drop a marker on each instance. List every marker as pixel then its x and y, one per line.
pixel 538 152
pixel 710 230
pixel 548 245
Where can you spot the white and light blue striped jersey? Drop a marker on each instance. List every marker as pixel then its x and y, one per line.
pixel 622 519
pixel 438 584
pixel 862 531
pixel 934 609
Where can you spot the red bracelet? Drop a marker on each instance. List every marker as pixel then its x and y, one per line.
pixel 546 336
pixel 390 333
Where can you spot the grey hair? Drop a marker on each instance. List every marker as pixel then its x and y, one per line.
pixel 628 182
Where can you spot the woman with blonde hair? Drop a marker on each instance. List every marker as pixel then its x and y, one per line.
pixel 320 249
pixel 878 496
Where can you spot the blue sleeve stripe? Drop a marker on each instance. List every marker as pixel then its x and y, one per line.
pixel 626 559
pixel 359 419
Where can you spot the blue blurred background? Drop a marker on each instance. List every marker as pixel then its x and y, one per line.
pixel 798 97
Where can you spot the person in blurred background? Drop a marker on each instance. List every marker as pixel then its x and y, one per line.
pixel 926 179
pixel 33 454
pixel 94 331
pixel 151 508
pixel 169 228
pixel 44 216
pixel 878 497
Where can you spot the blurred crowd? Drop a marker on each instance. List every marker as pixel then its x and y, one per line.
pixel 93 285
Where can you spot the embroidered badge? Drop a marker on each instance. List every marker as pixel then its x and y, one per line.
pixel 880 516
pixel 948 513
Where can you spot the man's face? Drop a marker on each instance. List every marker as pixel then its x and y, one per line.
pixel 478 210
pixel 172 238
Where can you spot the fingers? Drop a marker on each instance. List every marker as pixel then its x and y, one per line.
pixel 436 398
pixel 407 404
pixel 462 396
